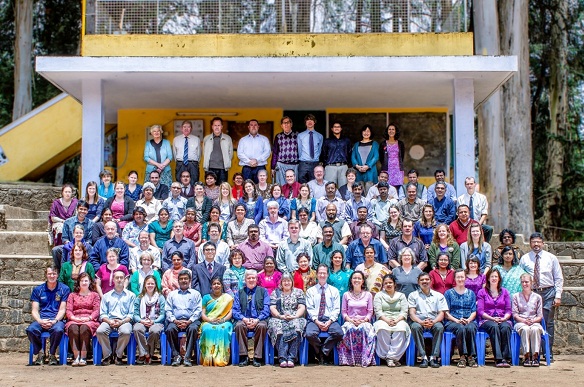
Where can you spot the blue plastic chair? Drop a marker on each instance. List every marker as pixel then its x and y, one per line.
pixel 516 345
pixel 166 358
pixel 163 349
pixel 98 352
pixel 94 343
pixel 62 348
pixel 304 349
pixel 268 354
pixel 445 348
pixel 481 342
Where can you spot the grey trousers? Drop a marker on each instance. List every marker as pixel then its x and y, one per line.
pixel 147 346
pixel 437 331
pixel 103 332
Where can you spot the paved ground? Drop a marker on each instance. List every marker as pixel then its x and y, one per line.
pixel 567 371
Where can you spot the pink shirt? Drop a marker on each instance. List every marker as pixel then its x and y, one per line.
pixel 271 282
pixel 360 307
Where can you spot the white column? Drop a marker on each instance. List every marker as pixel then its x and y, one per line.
pixel 464 135
pixel 93 132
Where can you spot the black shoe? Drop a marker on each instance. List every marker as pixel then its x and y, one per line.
pixel 53 360
pixel 244 363
pixel 176 361
pixel 256 363
pixel 106 361
pixel 424 363
pixel 119 361
pixel 434 363
pixel 320 359
pixel 187 362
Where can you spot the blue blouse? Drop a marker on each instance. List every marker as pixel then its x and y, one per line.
pixel 135 195
pixel 283 211
pixel 295 205
pixel 424 233
pixel 460 305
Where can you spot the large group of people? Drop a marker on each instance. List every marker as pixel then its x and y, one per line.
pixel 354 261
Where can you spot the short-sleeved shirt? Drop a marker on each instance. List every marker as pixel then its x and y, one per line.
pixel 427 306
pixel 50 300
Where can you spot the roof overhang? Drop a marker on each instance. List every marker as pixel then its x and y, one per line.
pixel 292 83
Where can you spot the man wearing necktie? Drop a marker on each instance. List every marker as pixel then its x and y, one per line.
pixel 323 305
pixel 478 206
pixel 548 280
pixel 309 148
pixel 205 271
pixel 187 152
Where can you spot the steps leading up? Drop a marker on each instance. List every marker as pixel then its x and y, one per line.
pixel 21 242
pixel 23 267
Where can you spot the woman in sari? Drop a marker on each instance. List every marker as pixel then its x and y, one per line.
pixel 287 306
pixel 373 271
pixel 216 329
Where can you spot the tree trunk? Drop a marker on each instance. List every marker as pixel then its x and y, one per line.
pixel 514 40
pixel 558 105
pixel 22 58
pixel 492 166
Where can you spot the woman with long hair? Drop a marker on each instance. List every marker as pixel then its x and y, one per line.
pixel 201 203
pixel 192 229
pixel 424 228
pixel 443 242
pixel 339 273
pixel 304 276
pixel 225 202
pixel 77 265
pixel 372 270
pixel 276 195
pixel 122 206
pixel 476 245
pixel 442 276
pixel 391 154
pixel 365 156
pixel 392 228
pixel 509 269
pixel 62 209
pixel 214 217
pixel 161 229
pixel 475 280
pixel 303 201
pixel 149 316
pixel 253 202
pixel 133 189
pixel 527 309
pixel 269 278
pixel 94 201
pixel 98 229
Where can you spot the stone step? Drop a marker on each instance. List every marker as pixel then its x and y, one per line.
pixel 26 225
pixel 573 270
pixel 23 267
pixel 23 213
pixel 20 242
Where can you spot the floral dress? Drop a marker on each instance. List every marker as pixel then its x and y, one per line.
pixel 396 176
pixel 358 344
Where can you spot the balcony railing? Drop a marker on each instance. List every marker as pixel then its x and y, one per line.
pixel 275 16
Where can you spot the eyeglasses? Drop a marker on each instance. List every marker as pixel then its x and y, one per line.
pixel 175 187
pixel 286 122
pixel 209 249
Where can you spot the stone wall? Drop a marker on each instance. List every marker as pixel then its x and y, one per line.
pixel 31 196
pixel 14 318
pixel 569 337
pixel 571 249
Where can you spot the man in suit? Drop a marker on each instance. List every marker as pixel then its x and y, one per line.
pixel 187 190
pixel 204 271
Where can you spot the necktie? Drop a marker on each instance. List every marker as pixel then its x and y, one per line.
pixel 210 267
pixel 536 268
pixel 471 208
pixel 322 305
pixel 186 152
pixel 185 191
pixel 311 144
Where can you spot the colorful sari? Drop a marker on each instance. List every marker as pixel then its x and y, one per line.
pixel 215 339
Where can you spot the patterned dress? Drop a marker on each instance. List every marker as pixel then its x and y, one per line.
pixel 286 304
pixel 358 344
pixel 396 176
pixel 215 339
pixel 511 279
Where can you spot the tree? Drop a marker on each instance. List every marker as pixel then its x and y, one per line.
pixel 22 59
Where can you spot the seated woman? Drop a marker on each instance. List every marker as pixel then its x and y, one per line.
pixel 82 318
pixel 211 188
pixel 276 195
pixel 508 267
pixel 79 264
pixel 237 189
pixel 269 278
pixel 475 281
pixel 528 313
pixel 358 344
pixel 138 277
pixel 304 276
pixel 192 229
pixel 98 231
pixel 106 188
pixel 61 210
pixel 149 316
pixel 225 202
pixel 442 276
pixel 214 217
pixel 216 326
pixel 285 328
pixel 460 319
pixel 234 276
pixel 78 233
pixel 94 202
pixel 170 277
pixel 201 203
pixel 104 278
pixel 263 188
pixel 392 228
pixel 424 228
pixel 303 201
pixel 309 230
pixel 372 270
pixel 122 206
pixel 346 191
pixel 476 245
pixel 149 203
pixel 406 275
pixel 237 228
pixel 339 273
pixel 507 238
pixel 391 327
pixel 133 189
pixel 160 230
pixel 494 315
pixel 443 241
pixel 254 204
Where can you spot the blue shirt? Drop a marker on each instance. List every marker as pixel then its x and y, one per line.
pixel 116 305
pixel 183 305
pixel 356 252
pixel 98 253
pixel 50 300
pixel 444 210
pixel 461 305
pixel 251 312
pixel 424 233
pixel 304 145
pixel 69 226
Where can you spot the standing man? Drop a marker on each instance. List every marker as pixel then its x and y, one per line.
pixel 440 175
pixel 309 148
pixel 115 313
pixel 187 190
pixel 284 151
pixel 217 151
pixel 548 281
pixel 49 303
pixel 187 152
pixel 421 190
pixel 178 242
pixel 253 151
pixel 323 306
pixel 183 312
pixel 411 206
pixel 336 152
pixel 205 271
pixel 291 247
pixel 478 206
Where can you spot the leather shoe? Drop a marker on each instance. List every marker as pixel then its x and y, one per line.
pixel 176 361
pixel 256 363
pixel 244 363
pixel 424 363
pixel 434 364
pixel 106 361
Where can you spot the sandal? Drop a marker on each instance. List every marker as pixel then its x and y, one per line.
pixel 526 362
pixel 535 360
pixel 461 363
pixel 147 360
pixel 390 363
pixel 82 363
pixel 472 362
pixel 397 363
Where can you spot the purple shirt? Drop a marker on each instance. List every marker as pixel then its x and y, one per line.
pixel 255 255
pixel 493 307
pixel 285 149
pixel 475 284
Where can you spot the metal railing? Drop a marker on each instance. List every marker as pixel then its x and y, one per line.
pixel 275 16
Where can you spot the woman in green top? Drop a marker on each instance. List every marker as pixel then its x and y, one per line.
pixel 160 230
pixel 78 264
pixel 339 275
pixel 137 278
pixel 511 272
pixel 443 242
